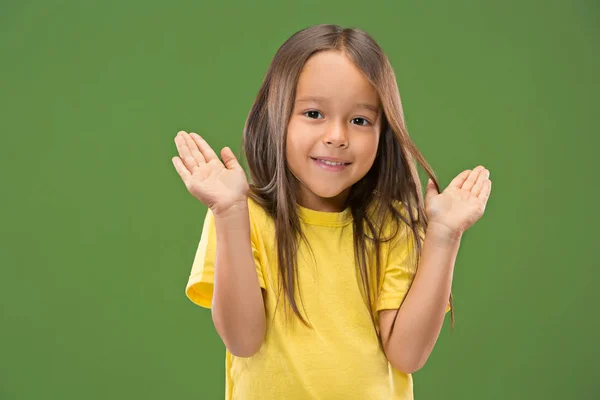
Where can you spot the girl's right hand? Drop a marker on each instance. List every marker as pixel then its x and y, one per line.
pixel 220 187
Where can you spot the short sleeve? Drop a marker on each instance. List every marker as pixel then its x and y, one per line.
pixel 199 288
pixel 399 271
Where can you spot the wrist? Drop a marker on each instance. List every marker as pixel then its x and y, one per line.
pixel 442 234
pixel 233 210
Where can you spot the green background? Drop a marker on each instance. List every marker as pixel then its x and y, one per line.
pixel 99 233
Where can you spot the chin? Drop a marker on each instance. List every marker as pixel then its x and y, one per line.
pixel 328 192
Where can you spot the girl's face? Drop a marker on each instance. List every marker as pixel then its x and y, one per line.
pixel 333 131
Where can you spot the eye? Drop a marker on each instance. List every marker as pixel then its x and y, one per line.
pixel 361 121
pixel 313 114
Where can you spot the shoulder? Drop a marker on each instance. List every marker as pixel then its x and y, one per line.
pixel 258 214
pixel 406 211
pixel 394 221
pixel 261 222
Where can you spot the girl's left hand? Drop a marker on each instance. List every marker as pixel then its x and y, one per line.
pixel 462 203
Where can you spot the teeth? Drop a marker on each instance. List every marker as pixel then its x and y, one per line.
pixel 332 162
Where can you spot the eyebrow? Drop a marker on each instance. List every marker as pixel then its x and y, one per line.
pixel 325 100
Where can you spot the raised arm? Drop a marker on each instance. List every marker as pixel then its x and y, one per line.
pixel 237 306
pixel 410 337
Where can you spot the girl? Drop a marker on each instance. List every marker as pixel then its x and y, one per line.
pixel 333 223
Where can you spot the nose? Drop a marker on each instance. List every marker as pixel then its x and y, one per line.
pixel 336 136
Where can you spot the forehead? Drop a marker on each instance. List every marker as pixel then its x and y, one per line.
pixel 332 75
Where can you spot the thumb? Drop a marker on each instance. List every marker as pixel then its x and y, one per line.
pixel 229 159
pixel 431 190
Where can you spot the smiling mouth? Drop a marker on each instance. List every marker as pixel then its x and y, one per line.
pixel 330 162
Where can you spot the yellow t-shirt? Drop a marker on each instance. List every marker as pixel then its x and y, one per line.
pixel 339 357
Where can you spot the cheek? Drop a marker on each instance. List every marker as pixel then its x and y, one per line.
pixel 296 147
pixel 368 149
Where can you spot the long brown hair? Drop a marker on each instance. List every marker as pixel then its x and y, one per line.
pixel 393 177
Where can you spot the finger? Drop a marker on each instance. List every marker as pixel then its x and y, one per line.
pixel 468 184
pixel 483 176
pixel 183 172
pixel 460 179
pixel 184 151
pixel 229 159
pixel 430 191
pixel 484 195
pixel 207 151
pixel 431 186
pixel 194 148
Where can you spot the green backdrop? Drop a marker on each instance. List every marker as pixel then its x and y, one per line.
pixel 98 232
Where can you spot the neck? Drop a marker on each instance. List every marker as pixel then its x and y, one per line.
pixel 326 204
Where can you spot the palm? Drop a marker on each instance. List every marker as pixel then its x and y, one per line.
pixel 212 183
pixel 219 185
pixel 462 203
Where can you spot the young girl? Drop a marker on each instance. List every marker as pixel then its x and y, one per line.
pixel 307 269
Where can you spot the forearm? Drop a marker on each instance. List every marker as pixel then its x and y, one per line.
pixel 237 307
pixel 422 313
